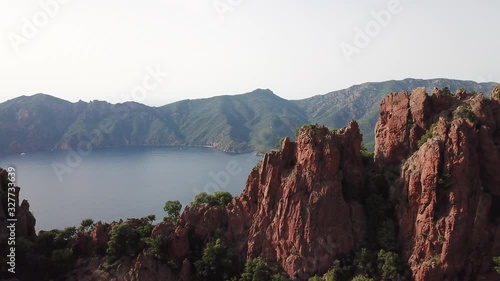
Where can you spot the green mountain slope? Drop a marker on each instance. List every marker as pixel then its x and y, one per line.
pixel 248 122
pixel 253 121
pixel 35 123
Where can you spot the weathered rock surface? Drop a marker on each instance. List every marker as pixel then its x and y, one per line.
pixel 449 187
pixel 302 219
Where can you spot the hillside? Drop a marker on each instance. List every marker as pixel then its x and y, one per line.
pixel 241 123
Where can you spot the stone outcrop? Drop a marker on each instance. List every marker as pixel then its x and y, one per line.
pixel 448 195
pixel 301 218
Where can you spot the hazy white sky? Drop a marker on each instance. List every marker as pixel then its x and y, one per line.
pixel 107 50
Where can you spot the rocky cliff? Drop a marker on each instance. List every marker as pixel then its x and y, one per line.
pixel 296 200
pixel 448 148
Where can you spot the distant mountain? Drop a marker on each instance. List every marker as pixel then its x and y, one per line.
pixel 249 122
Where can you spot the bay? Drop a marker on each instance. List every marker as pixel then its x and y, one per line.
pixel 120 183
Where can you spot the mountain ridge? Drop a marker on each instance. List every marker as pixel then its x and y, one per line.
pixel 252 121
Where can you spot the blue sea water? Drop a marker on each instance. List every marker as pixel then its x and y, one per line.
pixel 120 183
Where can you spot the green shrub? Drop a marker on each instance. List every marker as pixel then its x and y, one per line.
pixel 388 265
pixel 410 123
pixel 496 264
pixel 256 270
pixel 223 198
pixel 343 267
pixel 465 113
pixel 446 91
pixel 309 128
pixel 157 247
pixel 217 199
pixel 151 218
pixel 216 262
pixel 86 225
pixel 329 276
pixel 279 277
pixel 362 278
pixel 126 241
pixel 428 134
pixel 62 259
pixel 48 241
pixel 173 209
pixel 366 155
pixel 363 263
pixel 433 260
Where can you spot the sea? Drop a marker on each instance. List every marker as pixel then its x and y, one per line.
pixel 110 184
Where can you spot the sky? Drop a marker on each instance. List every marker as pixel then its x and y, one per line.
pixel 160 51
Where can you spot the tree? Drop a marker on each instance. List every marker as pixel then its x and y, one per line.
pixel 363 263
pixel 367 155
pixel 124 240
pixel 86 225
pixel 223 198
pixel 256 270
pixel 217 199
pixel 388 265
pixel 496 264
pixel 157 247
pixel 216 262
pixel 62 259
pixel 151 218
pixel 362 278
pixel 173 209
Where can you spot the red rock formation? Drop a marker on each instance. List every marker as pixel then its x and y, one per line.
pixel 446 213
pixel 404 118
pixel 146 268
pixel 294 205
pixel 392 130
pixel 100 235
